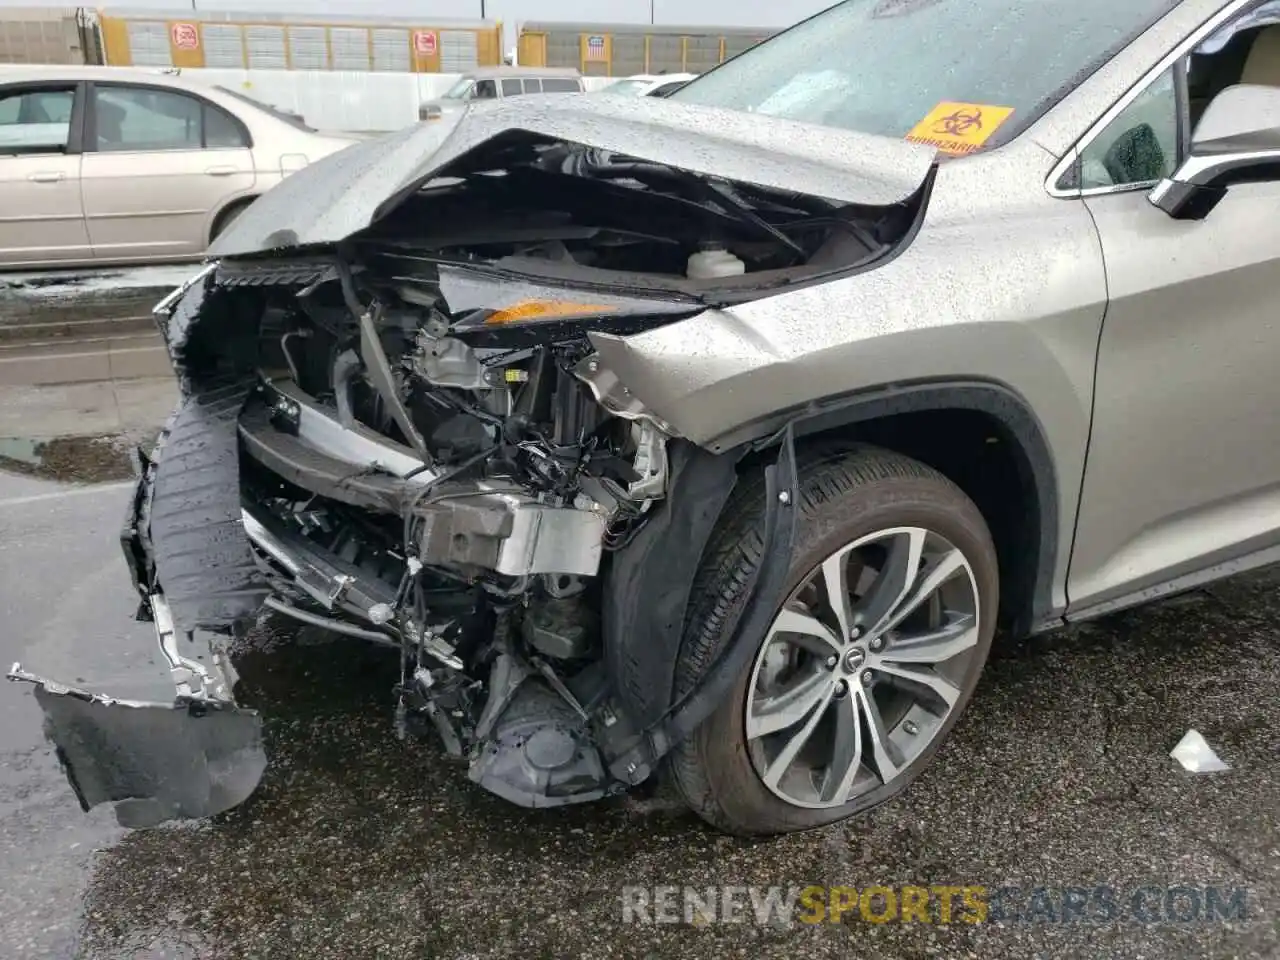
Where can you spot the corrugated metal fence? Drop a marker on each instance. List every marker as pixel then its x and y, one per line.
pixel 278 41
pixel 617 50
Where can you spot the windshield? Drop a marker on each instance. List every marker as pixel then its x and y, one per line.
pixel 957 74
pixel 290 118
pixel 627 88
pixel 460 90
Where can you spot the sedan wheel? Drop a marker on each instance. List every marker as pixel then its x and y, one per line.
pixel 868 662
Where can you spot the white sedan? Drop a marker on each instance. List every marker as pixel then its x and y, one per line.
pixel 649 84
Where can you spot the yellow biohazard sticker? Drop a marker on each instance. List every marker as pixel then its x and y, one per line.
pixel 959 128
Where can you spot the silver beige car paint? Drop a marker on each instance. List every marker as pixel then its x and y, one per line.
pixel 139 205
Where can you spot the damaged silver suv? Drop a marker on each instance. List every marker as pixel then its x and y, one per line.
pixel 718 435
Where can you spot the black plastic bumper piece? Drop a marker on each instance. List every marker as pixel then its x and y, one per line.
pixel 199 550
pixel 647 592
pixel 155 761
pixel 637 759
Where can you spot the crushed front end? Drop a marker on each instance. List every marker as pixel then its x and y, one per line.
pixel 407 438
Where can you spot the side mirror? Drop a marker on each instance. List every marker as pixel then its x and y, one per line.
pixel 1236 140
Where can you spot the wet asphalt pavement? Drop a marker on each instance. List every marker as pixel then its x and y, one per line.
pixel 358 844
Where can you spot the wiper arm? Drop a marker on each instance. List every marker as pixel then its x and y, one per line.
pixel 637 169
pixel 747 215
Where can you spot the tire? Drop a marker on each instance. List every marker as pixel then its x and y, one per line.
pixel 845 494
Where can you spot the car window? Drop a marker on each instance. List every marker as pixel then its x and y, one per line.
pixel 961 76
pixel 462 90
pixel 139 118
pixel 532 86
pixel 512 88
pixel 552 85
pixel 1139 146
pixel 626 88
pixel 486 89
pixel 221 130
pixel 36 119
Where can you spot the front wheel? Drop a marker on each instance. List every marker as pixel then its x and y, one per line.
pixel 868 662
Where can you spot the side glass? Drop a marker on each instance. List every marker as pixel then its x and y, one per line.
pixel 1141 145
pixel 36 120
pixel 139 118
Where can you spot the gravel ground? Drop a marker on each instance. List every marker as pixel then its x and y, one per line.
pixel 359 844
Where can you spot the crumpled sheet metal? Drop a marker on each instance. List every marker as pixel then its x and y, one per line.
pixel 344 192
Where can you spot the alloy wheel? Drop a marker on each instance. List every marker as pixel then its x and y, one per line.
pixel 861 667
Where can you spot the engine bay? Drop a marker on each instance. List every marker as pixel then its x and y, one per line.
pixel 432 457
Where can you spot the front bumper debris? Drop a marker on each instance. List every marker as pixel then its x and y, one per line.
pixel 197 756
pixel 197 583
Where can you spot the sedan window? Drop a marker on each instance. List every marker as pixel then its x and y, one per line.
pixel 139 118
pixel 36 120
pixel 512 88
pixel 220 130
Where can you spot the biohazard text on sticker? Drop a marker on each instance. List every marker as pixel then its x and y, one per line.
pixel 959 127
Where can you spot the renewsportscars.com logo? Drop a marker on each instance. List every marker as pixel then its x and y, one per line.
pixel 941 904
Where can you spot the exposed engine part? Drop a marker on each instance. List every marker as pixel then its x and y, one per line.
pixel 713 260
pixel 357 446
pixel 560 628
pixel 650 463
pixel 510 532
pixel 325 623
pixel 447 362
pixel 345 366
pixel 284 348
pixel 446 699
pixel 563 585
pixel 540 753
pixel 380 375
pixel 431 642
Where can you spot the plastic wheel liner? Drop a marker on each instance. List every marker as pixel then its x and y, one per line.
pixel 192 565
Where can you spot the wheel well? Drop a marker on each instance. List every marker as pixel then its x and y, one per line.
pixel 978 453
pixel 232 208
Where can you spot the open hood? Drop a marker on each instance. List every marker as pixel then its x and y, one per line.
pixel 343 193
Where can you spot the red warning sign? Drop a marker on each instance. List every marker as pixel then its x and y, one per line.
pixel 424 43
pixel 185 36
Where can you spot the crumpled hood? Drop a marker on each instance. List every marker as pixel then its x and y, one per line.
pixel 329 200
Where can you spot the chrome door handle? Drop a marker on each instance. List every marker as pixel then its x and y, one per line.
pixel 47 176
pixel 220 171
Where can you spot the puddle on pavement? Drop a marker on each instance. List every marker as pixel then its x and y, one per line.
pixel 68 459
